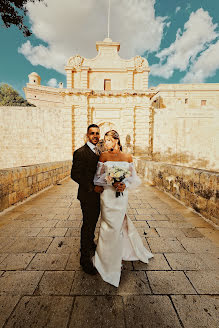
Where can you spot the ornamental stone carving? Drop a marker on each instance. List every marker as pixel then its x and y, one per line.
pixel 76 61
pixel 140 63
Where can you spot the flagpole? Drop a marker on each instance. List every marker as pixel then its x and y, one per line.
pixel 109 20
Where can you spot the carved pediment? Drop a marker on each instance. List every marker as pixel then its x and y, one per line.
pixel 75 61
pixel 140 63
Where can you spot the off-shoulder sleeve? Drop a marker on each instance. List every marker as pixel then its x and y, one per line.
pixel 99 178
pixel 133 181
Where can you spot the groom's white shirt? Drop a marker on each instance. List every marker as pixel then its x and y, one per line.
pixel 91 146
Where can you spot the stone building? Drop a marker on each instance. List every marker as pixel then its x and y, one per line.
pixel 155 123
pixel 107 90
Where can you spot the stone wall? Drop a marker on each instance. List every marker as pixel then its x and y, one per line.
pixel 18 183
pixel 198 189
pixel 187 137
pixel 33 135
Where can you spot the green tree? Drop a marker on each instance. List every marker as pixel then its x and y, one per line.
pixel 13 12
pixel 10 97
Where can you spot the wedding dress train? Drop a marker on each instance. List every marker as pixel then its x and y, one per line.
pixel 118 238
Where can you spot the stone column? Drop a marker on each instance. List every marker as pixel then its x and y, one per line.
pixel 84 77
pixel 144 80
pixel 141 128
pixel 69 76
pixel 128 124
pixel 89 115
pixel 130 79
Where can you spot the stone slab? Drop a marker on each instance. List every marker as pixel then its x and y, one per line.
pixel 210 233
pixel 29 245
pixel 197 222
pixel 168 224
pixel 158 262
pixel 85 284
pixel 160 217
pixel 48 262
pixel 140 224
pixel 68 224
pixel 55 283
pixel 143 217
pixel 16 261
pixel 14 230
pixel 36 223
pixel 170 232
pixel 73 262
pixel 169 282
pixel 192 233
pixel 19 282
pixel 185 261
pixel 73 232
pixel 147 211
pixel 2 257
pixel 197 310
pixel 130 282
pixel 199 245
pixel 133 282
pixel 150 311
pixel 6 242
pixel 64 245
pixel 97 311
pixel 7 304
pixel 212 261
pixel 205 282
pixel 41 311
pixel 164 245
pixel 53 232
pixel 148 232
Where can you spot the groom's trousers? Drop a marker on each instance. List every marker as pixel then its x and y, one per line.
pixel 91 211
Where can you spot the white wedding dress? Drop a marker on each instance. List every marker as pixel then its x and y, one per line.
pixel 118 238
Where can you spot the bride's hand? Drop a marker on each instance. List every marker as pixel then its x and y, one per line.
pixel 119 186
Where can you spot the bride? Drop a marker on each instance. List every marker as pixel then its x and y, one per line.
pixel 118 238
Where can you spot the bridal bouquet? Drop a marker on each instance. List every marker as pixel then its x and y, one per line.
pixel 116 174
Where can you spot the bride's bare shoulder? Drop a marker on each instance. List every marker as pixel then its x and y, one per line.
pixel 127 157
pixel 103 156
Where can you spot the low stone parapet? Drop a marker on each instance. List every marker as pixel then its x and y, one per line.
pixel 198 189
pixel 18 183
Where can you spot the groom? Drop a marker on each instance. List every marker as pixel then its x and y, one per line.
pixel 84 167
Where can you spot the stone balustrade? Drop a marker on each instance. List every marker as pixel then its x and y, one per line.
pixel 198 189
pixel 18 183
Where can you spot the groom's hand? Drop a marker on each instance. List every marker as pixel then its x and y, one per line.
pixel 98 189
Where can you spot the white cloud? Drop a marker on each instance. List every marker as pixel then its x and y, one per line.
pixel 41 55
pixel 177 9
pixel 206 65
pixel 52 83
pixel 199 32
pixel 74 26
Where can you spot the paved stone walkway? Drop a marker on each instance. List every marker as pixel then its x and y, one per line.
pixel 42 284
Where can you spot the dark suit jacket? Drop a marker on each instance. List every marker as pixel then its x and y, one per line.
pixel 84 167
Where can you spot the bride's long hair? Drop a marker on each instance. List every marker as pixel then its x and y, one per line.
pixel 114 134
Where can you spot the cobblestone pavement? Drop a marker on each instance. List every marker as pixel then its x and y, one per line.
pixel 42 284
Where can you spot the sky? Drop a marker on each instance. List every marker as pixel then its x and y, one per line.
pixel 179 38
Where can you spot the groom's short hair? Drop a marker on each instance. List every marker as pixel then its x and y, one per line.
pixel 92 126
